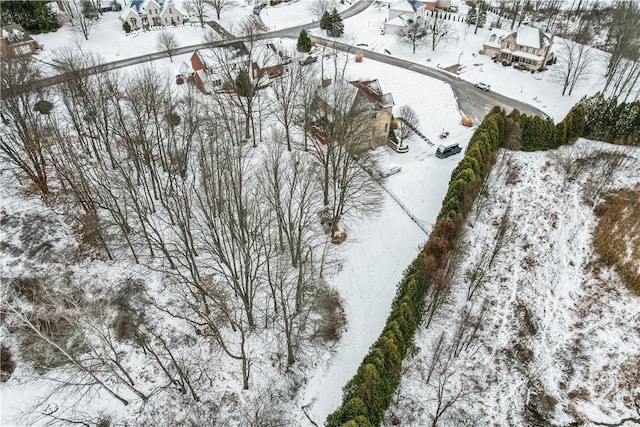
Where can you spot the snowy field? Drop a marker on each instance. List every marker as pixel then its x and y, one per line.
pixel 379 248
pixel 536 329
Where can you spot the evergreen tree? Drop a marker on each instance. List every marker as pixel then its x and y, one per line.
pixel 471 16
pixel 336 26
pixel 33 16
pixel 325 21
pixel 304 42
pixel 126 27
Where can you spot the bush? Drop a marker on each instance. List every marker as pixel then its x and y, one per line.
pixel 126 27
pixel 7 365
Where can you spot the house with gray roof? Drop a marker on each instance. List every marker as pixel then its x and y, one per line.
pixel 529 47
pixel 142 14
pixel 15 42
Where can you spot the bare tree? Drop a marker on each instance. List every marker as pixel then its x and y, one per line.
pixel 25 134
pixel 288 100
pixel 575 61
pixel 166 42
pixel 440 30
pixel 198 9
pixel 415 35
pixel 319 7
pixel 408 120
pixel 80 18
pixel 220 5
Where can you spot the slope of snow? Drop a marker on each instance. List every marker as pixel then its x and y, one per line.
pixel 551 335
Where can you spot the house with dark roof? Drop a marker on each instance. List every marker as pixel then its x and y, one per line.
pixel 366 100
pixel 14 42
pixel 529 47
pixel 141 14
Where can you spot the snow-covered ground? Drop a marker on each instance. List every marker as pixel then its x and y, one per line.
pixel 550 334
pixel 378 248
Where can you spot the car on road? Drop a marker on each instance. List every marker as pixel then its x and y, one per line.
pixel 391 171
pixel 483 86
pixel 445 151
pixel 308 60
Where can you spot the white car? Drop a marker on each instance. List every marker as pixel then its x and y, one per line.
pixel 483 86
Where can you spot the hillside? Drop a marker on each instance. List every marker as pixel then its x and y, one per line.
pixel 538 329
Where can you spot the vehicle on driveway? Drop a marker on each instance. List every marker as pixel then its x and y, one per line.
pixel 258 7
pixel 308 60
pixel 483 86
pixel 445 151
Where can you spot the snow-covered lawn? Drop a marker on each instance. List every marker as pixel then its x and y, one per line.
pixel 536 89
pixel 550 333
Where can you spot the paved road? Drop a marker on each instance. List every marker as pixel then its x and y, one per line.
pixel 471 101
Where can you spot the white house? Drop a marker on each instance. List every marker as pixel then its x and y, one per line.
pixel 529 47
pixel 151 13
pixel 403 13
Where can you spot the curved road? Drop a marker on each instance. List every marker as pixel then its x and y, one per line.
pixel 471 101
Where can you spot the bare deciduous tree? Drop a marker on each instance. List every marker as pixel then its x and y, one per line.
pixel 25 134
pixel 575 61
pixel 319 7
pixel 415 35
pixel 198 9
pixel 80 20
pixel 440 30
pixel 408 120
pixel 220 5
pixel 167 42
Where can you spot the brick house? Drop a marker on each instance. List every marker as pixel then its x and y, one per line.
pixel 373 107
pixel 14 42
pixel 142 14
pixel 529 47
pixel 213 67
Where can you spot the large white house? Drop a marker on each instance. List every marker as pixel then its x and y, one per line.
pixel 151 13
pixel 403 13
pixel 528 46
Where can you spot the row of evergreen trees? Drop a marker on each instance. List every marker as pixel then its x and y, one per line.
pixel 606 120
pixel 368 394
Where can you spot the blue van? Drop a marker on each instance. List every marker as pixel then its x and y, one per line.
pixel 445 151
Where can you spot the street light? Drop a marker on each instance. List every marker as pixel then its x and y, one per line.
pixel 461 53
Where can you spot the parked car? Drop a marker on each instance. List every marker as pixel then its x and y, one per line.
pixel 483 86
pixel 391 171
pixel 258 7
pixel 445 151
pixel 308 60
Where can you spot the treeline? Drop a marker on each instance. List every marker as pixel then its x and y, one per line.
pixel 33 16
pixel 606 120
pixel 425 284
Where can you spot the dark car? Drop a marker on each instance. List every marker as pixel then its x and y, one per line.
pixel 445 151
pixel 308 60
pixel 258 7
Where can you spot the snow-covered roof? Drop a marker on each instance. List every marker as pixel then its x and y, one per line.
pixel 399 21
pixel 526 55
pixel 339 94
pixel 532 37
pixel 185 68
pixel 407 5
pixel 14 33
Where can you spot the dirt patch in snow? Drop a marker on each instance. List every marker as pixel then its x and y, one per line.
pixel 617 236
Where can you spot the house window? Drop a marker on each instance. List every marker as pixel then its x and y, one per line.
pixel 165 20
pixel 170 10
pixel 386 126
pixel 508 45
pixel 134 23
